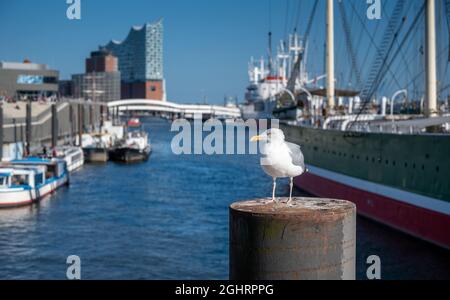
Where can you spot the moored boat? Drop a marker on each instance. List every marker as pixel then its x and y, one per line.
pixel 134 122
pixel 73 156
pixel 135 148
pixel 96 147
pixel 96 155
pixel 27 181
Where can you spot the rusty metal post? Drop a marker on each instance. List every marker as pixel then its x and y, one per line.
pixel 54 126
pixel 1 132
pixel 314 239
pixel 71 121
pixel 101 118
pixel 28 128
pixel 80 125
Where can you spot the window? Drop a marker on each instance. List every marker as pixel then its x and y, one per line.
pixel 30 79
pixel 3 181
pixel 19 180
pixel 39 179
pixel 50 80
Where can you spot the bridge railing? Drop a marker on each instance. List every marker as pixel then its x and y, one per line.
pixel 170 107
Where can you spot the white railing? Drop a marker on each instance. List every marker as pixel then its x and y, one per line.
pixel 170 107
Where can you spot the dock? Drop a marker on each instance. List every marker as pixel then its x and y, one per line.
pixel 71 119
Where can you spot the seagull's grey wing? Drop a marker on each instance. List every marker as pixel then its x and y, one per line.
pixel 296 155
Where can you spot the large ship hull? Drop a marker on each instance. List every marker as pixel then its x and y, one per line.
pixel 399 180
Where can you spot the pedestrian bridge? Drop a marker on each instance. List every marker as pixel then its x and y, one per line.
pixel 174 109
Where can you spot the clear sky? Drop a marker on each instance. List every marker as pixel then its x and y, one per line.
pixel 207 43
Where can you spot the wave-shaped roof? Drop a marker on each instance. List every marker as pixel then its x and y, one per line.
pixel 136 28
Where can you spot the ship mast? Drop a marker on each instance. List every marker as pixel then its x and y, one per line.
pixel 270 53
pixel 330 55
pixel 431 88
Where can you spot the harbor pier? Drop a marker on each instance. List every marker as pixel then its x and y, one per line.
pixel 314 239
pixel 33 125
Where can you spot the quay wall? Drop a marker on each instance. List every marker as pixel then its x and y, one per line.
pixel 14 122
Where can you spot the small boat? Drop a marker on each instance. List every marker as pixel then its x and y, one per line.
pixel 96 155
pixel 27 181
pixel 135 148
pixel 134 122
pixel 73 156
pixel 96 147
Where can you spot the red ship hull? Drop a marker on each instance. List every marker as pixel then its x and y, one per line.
pixel 405 212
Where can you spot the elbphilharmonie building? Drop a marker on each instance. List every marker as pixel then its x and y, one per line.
pixel 141 62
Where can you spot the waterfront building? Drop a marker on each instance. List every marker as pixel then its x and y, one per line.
pixel 141 62
pixel 27 80
pixel 101 82
pixel 65 88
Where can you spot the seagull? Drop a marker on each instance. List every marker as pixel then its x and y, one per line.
pixel 280 158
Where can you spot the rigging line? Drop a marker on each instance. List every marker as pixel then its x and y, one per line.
pixel 270 14
pixel 363 25
pixel 286 19
pixel 447 6
pixel 384 66
pixel 416 76
pixel 398 70
pixel 296 20
pixel 361 31
pixel 409 32
pixel 296 68
pixel 440 54
pixel 406 63
pixel 349 44
pixel 378 79
pixel 440 36
pixel 405 38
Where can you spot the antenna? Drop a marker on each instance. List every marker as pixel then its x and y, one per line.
pixel 270 37
pixel 270 52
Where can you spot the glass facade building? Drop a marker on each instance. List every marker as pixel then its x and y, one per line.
pixel 141 53
pixel 140 58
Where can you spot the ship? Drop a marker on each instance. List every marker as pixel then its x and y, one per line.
pixel 269 77
pixel 395 168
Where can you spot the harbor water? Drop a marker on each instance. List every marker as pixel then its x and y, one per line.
pixel 168 219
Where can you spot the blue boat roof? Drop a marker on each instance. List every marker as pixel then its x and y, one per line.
pixel 32 160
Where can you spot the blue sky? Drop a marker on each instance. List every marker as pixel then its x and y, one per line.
pixel 207 43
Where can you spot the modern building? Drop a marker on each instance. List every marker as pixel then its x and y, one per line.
pixel 101 82
pixel 27 80
pixel 65 88
pixel 141 62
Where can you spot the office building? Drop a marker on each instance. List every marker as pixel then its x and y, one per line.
pixel 27 80
pixel 101 82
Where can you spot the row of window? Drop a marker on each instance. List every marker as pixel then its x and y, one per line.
pixel 375 159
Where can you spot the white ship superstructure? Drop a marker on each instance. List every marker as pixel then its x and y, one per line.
pixel 269 78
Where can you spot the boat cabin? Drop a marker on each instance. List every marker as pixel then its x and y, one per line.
pixel 55 168
pixel 28 177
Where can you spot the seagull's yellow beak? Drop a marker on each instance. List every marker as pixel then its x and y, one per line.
pixel 256 138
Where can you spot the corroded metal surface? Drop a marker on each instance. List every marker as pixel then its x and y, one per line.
pixel 309 239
